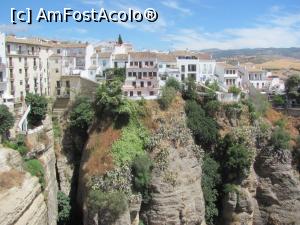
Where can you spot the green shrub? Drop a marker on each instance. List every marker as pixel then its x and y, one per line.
pixel 190 92
pixel 108 98
pixel 18 144
pixel 212 107
pixel 6 119
pixel 131 144
pixel 292 87
pixel 204 128
pixel 167 96
pixel 210 180
pixel 237 161
pixel 38 108
pixel 56 129
pixel 108 205
pixel 234 90
pixel 172 82
pixel 280 139
pixel 278 100
pixel 35 168
pixel 142 174
pixel 64 208
pixel 230 188
pixel 259 101
pixel 233 110
pixel 82 114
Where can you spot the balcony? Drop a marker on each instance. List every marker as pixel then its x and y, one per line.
pixel 10 65
pixel 27 87
pixel 26 64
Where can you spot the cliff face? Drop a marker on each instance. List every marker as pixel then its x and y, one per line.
pixel 175 186
pixel 22 201
pixel 21 198
pixel 176 193
pixel 278 188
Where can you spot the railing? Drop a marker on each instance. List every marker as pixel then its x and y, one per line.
pixel 22 125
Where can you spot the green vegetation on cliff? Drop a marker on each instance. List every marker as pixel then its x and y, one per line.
pixel 38 108
pixel 6 120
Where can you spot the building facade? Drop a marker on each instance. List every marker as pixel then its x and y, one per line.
pixel 141 76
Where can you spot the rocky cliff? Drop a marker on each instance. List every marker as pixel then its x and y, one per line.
pixel 21 197
pixel 22 200
pixel 176 177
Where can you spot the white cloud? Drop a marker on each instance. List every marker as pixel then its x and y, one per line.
pixel 14 28
pixel 279 31
pixel 175 5
pixel 97 3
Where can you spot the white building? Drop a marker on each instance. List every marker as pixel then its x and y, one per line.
pixel 197 66
pixel 27 66
pixel 258 78
pixel 3 77
pixel 167 67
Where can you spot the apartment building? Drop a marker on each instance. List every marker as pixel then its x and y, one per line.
pixel 3 78
pixel 197 66
pixel 27 69
pixel 232 75
pixel 167 67
pixel 258 78
pixel 106 56
pixel 67 59
pixel 141 76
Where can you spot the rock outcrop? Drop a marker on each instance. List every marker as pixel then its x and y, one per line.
pixel 21 197
pixel 176 193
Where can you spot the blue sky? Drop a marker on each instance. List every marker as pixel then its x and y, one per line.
pixel 192 24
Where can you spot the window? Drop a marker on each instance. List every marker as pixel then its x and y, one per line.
pixel 151 63
pixel 142 83
pixel 139 93
pixel 134 84
pixel 68 84
pixel 136 63
pixel 150 74
pixel 20 71
pixel 58 51
pixel 58 84
pixel 130 74
pixel 144 74
pixel 131 93
pixel 146 63
pixel 116 64
pixel 151 93
pixel 131 63
pixel 1 76
pixel 182 77
pixel 21 82
pixel 154 74
pixel 20 59
pixel 56 70
pixel 20 50
pixel 134 74
pixel 182 68
pixel 192 68
pixel 8 49
pixel 58 91
pixel 149 83
pixel 140 75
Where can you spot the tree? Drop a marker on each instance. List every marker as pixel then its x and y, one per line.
pixel 172 82
pixel 167 96
pixel 38 108
pixel 204 128
pixel 108 205
pixel 115 74
pixel 82 114
pixel 292 86
pixel 142 174
pixel 64 208
pixel 234 90
pixel 190 90
pixel 210 180
pixel 6 120
pixel 108 97
pixel 278 100
pixel 120 41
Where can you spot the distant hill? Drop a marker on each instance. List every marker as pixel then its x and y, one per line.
pixel 256 52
